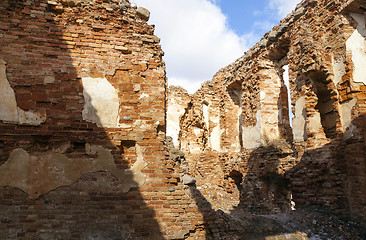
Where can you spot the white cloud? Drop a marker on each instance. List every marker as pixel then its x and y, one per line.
pixel 190 84
pixel 196 39
pixel 283 7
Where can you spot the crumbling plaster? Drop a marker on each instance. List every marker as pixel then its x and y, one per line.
pixel 215 136
pixel 176 107
pixel 9 110
pixel 345 112
pixel 38 174
pixel 339 70
pixel 101 102
pixel 252 135
pixel 175 111
pixel 357 45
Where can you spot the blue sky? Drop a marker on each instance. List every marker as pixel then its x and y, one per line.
pixel 245 16
pixel 242 15
pixel 201 36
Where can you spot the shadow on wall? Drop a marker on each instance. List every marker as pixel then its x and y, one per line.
pixel 331 176
pixel 264 188
pixel 239 224
pixel 334 175
pixel 62 150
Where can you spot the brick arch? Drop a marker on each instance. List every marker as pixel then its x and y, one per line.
pixel 323 89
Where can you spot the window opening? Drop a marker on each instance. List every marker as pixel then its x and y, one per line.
pixel 325 105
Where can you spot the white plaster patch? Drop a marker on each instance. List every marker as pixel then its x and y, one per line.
pixel 9 110
pixel 174 112
pixel 315 126
pixel 206 116
pixel 357 45
pixel 30 118
pixel 172 130
pixel 197 132
pixel 143 125
pixel 338 69
pixel 8 105
pixel 262 95
pixel 298 123
pixel 215 138
pixel 144 95
pixel 139 165
pixel 101 102
pixel 270 119
pixel 194 149
pixel 252 135
pixel 125 125
pixel 49 79
pixel 269 133
pixel 345 112
pixel 41 173
pixel 136 87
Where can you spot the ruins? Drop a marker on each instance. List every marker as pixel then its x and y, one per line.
pixel 86 111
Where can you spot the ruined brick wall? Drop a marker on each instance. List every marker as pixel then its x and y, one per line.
pixel 83 116
pixel 82 122
pixel 322 43
pixel 201 122
pixel 177 102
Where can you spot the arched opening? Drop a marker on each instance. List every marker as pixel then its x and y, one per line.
pixel 325 104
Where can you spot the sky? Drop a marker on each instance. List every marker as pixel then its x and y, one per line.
pixel 199 37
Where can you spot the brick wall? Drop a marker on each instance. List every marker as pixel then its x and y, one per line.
pixel 83 125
